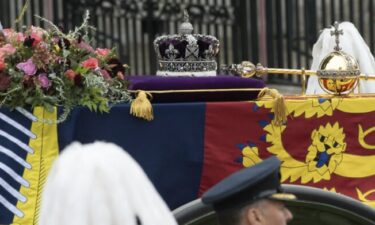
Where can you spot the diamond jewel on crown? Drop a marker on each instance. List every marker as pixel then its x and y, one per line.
pixel 186 54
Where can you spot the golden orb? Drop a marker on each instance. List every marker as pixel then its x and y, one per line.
pixel 338 73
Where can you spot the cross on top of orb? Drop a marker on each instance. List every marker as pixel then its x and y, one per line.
pixel 336 32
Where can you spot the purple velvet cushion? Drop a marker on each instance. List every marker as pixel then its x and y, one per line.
pixel 153 83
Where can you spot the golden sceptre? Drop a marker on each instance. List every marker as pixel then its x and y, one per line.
pixel 248 69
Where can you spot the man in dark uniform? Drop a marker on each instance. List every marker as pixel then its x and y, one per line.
pixel 252 196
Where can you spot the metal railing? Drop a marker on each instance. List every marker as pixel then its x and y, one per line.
pixel 278 33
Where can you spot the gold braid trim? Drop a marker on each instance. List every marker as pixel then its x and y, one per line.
pixel 141 106
pixel 196 90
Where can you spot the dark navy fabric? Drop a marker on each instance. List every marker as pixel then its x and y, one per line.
pixel 6 217
pixel 169 148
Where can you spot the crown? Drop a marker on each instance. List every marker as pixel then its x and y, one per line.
pixel 186 54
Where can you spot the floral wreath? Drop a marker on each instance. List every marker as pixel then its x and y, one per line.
pixel 49 68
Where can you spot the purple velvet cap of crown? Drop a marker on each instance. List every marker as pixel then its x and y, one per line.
pixel 153 83
pixel 203 46
pixel 180 45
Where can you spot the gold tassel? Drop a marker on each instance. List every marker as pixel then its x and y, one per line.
pixel 141 106
pixel 279 106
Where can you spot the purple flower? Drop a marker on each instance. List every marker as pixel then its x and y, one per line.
pixel 44 81
pixel 28 67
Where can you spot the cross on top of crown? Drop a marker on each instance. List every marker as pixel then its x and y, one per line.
pixel 186 16
pixel 336 32
pixel 186 27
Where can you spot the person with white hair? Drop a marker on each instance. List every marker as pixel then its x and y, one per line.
pixel 353 44
pixel 100 184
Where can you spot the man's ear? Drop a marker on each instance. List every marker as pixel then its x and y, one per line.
pixel 254 216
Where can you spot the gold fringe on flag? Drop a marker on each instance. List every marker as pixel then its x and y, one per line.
pixel 279 106
pixel 141 106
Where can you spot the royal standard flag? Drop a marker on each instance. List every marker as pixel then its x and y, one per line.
pixel 188 147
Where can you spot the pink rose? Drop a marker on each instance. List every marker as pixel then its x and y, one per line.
pixel 37 34
pixel 70 74
pixel 7 49
pixel 44 81
pixel 37 39
pixel 28 67
pixel 90 63
pixel 37 31
pixel 102 51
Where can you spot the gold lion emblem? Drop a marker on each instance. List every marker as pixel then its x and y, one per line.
pixel 326 150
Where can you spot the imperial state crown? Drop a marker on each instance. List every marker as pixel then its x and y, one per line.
pixel 186 54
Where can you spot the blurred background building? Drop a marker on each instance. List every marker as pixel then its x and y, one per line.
pixel 277 33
